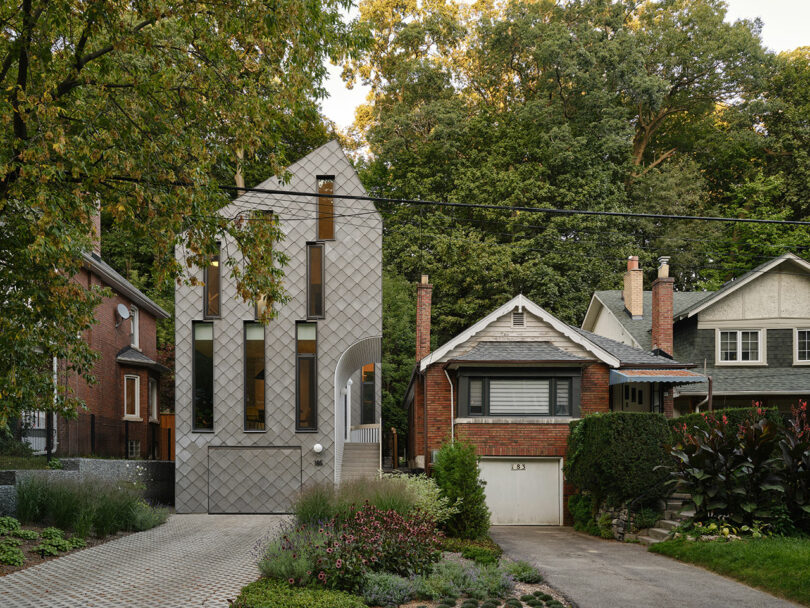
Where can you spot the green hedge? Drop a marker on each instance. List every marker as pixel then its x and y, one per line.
pixel 269 593
pixel 614 456
pixel 735 416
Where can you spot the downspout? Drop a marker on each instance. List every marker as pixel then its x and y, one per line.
pixel 708 398
pixel 452 410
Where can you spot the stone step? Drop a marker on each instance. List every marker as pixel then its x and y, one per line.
pixel 361 447
pixel 646 540
pixel 658 533
pixel 681 496
pixel 667 524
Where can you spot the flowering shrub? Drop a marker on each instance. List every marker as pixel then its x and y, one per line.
pixel 339 554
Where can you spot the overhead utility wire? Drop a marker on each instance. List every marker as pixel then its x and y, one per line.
pixel 549 210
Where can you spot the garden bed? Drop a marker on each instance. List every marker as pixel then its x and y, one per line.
pixel 777 565
pixel 34 557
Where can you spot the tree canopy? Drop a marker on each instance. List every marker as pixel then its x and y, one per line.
pixel 139 109
pixel 658 106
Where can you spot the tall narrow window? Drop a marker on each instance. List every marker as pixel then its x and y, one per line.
pixel 315 295
pixel 803 345
pixel 562 401
pixel 132 390
pixel 306 354
pixel 203 382
pixel 153 399
pixel 476 396
pixel 134 327
pixel 254 377
pixel 326 208
pixel 212 286
pixel 367 394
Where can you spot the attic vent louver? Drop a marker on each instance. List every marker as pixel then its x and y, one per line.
pixel 518 320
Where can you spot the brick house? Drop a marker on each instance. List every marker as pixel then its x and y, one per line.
pixel 751 336
pixel 511 384
pixel 122 415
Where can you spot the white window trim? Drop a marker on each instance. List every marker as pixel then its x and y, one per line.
pixel 796 360
pixel 137 416
pixel 763 346
pixel 135 327
pixel 154 413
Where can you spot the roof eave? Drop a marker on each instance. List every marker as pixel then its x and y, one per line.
pixel 121 285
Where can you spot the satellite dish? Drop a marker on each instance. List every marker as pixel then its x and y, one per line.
pixel 123 311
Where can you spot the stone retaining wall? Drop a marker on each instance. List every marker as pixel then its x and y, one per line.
pixel 156 475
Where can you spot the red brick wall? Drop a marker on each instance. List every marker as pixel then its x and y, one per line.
pixel 595 389
pixel 424 292
pixel 662 314
pixel 105 399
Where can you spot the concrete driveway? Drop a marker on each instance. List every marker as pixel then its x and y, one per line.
pixel 191 560
pixel 595 573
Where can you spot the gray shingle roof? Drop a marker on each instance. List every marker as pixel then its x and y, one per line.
pixel 629 355
pixel 135 358
pixel 730 380
pixel 518 351
pixel 641 329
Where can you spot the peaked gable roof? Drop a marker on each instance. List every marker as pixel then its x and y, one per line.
pixel 733 285
pixel 521 302
pixel 118 283
pixel 630 356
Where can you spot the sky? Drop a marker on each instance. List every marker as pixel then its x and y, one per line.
pixel 785 28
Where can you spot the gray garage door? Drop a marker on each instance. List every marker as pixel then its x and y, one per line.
pixel 523 490
pixel 253 480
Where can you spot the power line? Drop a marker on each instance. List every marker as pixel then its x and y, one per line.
pixel 485 206
pixel 546 210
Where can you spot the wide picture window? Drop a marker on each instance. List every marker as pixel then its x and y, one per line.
pixel 519 396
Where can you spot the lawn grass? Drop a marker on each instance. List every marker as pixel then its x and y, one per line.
pixel 23 462
pixel 780 566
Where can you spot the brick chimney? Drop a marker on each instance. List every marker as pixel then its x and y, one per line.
pixel 662 290
pixel 424 293
pixel 633 293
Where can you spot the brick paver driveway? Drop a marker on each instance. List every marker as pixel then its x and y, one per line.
pixel 191 560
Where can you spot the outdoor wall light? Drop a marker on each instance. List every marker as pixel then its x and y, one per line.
pixel 317 448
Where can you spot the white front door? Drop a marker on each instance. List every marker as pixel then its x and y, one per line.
pixel 523 491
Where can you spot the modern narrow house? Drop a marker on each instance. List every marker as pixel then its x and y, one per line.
pixel 262 410
pixel 511 384
pixel 122 414
pixel 751 336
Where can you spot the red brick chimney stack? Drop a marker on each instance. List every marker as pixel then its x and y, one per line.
pixel 424 293
pixel 662 318
pixel 633 293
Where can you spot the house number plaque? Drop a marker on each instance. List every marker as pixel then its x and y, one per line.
pixel 518 467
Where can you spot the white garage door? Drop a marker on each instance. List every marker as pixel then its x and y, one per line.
pixel 523 490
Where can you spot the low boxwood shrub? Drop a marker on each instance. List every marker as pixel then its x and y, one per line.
pixel 458 476
pixel 616 457
pixel 270 593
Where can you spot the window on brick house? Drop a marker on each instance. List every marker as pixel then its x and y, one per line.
pixel 520 396
pixel 134 327
pixel 153 399
pixel 132 395
pixel 134 449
